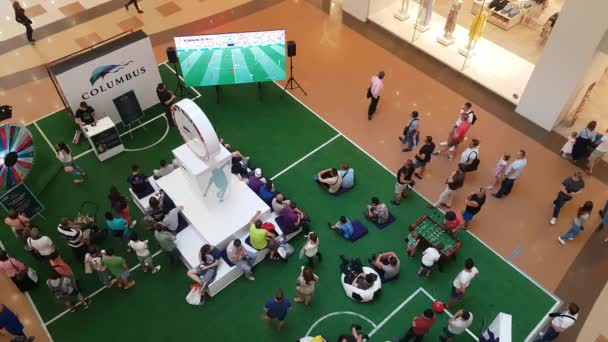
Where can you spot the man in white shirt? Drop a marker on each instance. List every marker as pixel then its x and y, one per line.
pixel 513 171
pixel 457 325
pixel 467 109
pixel 430 257
pixel 468 156
pixel 462 281
pixel 42 244
pixel 374 93
pixel 242 258
pixel 560 322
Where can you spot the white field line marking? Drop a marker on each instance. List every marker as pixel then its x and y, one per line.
pixel 448 313
pixel 421 195
pixel 143 124
pixel 306 156
pixel 44 137
pixel 96 292
pixel 154 144
pixel 336 314
pixel 394 312
pixel 181 78
pixel 83 154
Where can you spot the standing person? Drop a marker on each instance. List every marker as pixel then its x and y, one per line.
pixel 277 308
pixel 18 222
pixel 584 140
pixel 404 181
pixel 454 182
pixel 560 322
pixel 22 19
pixel 85 115
pixel 410 131
pixel 456 135
pixel 373 93
pixel 462 281
pixel 430 257
pixel 473 204
pixel 134 2
pixel 73 237
pixel 514 170
pixel 420 327
pixel 311 248
pixel 117 225
pixel 17 271
pixel 64 290
pixel 41 244
pixel 120 205
pixel 423 156
pixel 457 325
pixel 598 153
pixel 499 170
pixel 63 153
pixel 119 269
pixel 568 145
pixel 143 253
pixel 305 287
pixel 571 186
pixel 241 257
pixel 166 241
pixel 469 158
pixel 165 96
pixel 582 215
pixel 93 262
pixel 11 326
pixel 467 109
pixel 412 240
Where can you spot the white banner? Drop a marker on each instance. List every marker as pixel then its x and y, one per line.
pixel 98 82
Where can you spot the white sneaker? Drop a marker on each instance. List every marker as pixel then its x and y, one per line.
pixel 249 276
pixel 560 240
pixel 156 269
pixel 443 143
pixel 133 223
pixel 553 220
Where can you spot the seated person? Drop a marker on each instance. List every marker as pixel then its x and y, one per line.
pixel 354 274
pixel 355 336
pixel 172 219
pixel 343 227
pixel 205 272
pixel 347 174
pixel 139 183
pixel 279 202
pixel 261 238
pixel 330 179
pixel 255 181
pixel 453 222
pixel 266 193
pixel 387 265
pixel 165 169
pixel 377 212
pixel 242 258
pixel 412 240
pixel 118 226
pixel 293 216
pixel 85 115
pixel 154 209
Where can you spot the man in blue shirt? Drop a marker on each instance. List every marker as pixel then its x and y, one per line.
pixel 348 176
pixel 343 227
pixel 139 183
pixel 10 326
pixel 277 308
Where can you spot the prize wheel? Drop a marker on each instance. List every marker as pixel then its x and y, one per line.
pixel 16 155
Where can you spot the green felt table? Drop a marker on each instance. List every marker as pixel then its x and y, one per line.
pixel 432 233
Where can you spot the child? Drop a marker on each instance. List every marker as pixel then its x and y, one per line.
pixel 412 239
pixel 499 170
pixel 92 262
pixel 311 248
pixel 143 253
pixel 567 148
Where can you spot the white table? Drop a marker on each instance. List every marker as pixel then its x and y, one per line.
pixel 104 138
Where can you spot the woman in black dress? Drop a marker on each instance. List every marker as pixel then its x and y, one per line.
pixel 22 19
pixel 584 140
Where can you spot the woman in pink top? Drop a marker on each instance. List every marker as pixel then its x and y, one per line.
pixel 15 269
pixel 499 170
pixel 18 222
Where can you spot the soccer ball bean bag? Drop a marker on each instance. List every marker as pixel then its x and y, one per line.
pixel 361 295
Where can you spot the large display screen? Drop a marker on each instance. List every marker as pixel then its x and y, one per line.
pixel 232 58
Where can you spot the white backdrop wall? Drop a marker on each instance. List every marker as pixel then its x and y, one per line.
pixel 99 81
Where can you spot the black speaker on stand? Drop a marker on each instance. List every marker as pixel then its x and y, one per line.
pixel 291 82
pixel 173 59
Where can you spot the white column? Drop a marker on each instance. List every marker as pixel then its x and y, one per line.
pixel 563 65
pixel 357 8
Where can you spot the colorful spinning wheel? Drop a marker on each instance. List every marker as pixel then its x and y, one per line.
pixel 16 155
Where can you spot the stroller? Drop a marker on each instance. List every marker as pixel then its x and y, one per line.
pixel 85 220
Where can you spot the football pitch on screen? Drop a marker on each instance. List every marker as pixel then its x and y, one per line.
pixel 233 65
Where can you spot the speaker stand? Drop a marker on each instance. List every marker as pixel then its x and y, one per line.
pixel 180 84
pixel 260 90
pixel 218 91
pixel 291 82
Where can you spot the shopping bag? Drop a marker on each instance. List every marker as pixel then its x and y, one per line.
pixel 194 296
pixel 76 138
pixel 32 274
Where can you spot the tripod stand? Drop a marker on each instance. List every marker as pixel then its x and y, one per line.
pixel 180 84
pixel 291 82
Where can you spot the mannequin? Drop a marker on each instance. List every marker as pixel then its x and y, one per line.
pixel 474 33
pixel 450 23
pixel 424 19
pixel 403 14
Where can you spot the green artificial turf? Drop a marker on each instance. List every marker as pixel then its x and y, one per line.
pixel 276 132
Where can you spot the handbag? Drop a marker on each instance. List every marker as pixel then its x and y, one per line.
pixel 470 167
pixel 21 274
pixel 32 274
pixel 369 92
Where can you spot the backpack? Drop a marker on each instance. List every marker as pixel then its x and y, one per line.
pixel 474 117
pixel 470 167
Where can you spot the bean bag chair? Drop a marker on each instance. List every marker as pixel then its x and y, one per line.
pixel 359 231
pixel 360 295
pixel 391 219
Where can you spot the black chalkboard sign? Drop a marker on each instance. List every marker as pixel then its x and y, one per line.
pixel 21 199
pixel 128 107
pixel 106 140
